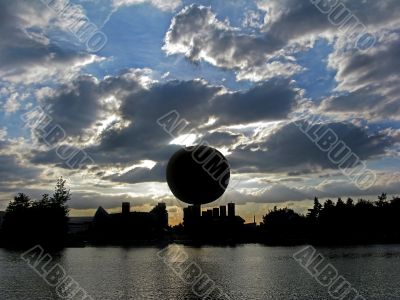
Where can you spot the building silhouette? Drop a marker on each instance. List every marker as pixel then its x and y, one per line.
pixel 222 211
pixel 212 224
pixel 130 226
pixel 231 210
pixel 215 212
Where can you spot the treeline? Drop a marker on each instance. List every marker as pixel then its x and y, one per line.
pixel 343 222
pixel 45 221
pixel 28 222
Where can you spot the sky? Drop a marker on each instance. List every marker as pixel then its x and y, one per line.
pixel 301 97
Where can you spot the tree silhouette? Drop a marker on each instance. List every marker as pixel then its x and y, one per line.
pixel 44 221
pixel 16 219
pixel 336 223
pixel 20 204
pixel 315 211
pixel 382 200
pixel 349 203
pixel 283 225
pixel 61 195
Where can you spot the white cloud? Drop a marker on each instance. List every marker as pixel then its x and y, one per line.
pixel 252 19
pixel 28 54
pixel 47 68
pixel 164 5
pixel 269 71
pixel 3 133
pixel 12 104
pixel 197 33
pixel 290 26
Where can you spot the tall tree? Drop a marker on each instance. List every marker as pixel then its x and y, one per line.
pixel 58 212
pixel 382 200
pixel 21 203
pixel 42 222
pixel 61 194
pixel 315 211
pixel 16 216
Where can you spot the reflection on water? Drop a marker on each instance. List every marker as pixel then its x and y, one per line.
pixel 244 272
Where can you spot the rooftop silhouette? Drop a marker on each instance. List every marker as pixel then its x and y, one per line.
pixel 129 226
pixel 213 224
pixel 46 222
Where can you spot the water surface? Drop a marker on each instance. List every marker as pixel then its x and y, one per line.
pixel 244 272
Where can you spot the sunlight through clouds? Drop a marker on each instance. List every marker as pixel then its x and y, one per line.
pixel 241 73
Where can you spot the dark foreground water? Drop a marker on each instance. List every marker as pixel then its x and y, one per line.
pixel 244 272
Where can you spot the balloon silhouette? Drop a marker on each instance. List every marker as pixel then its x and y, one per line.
pixel 198 174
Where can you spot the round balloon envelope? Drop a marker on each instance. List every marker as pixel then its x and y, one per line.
pixel 198 174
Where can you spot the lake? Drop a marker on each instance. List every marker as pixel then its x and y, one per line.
pixel 243 272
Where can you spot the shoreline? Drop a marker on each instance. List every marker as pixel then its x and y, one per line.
pixel 189 243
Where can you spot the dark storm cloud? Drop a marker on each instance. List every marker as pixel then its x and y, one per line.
pixel 192 99
pixel 286 150
pixel 371 79
pixel 289 149
pixel 14 172
pixel 80 105
pixel 156 174
pixel 75 107
pixel 142 138
pixel 292 19
pixel 361 101
pixel 270 100
pixel 196 101
pixel 221 138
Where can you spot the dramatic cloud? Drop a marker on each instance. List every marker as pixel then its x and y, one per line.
pixel 282 193
pixel 289 149
pixel 141 174
pixel 27 54
pixel 222 138
pixel 368 81
pixel 14 173
pixel 138 136
pixel 271 100
pixel 75 107
pixel 141 104
pixel 90 200
pixel 241 71
pixel 291 20
pixel 197 33
pixel 269 71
